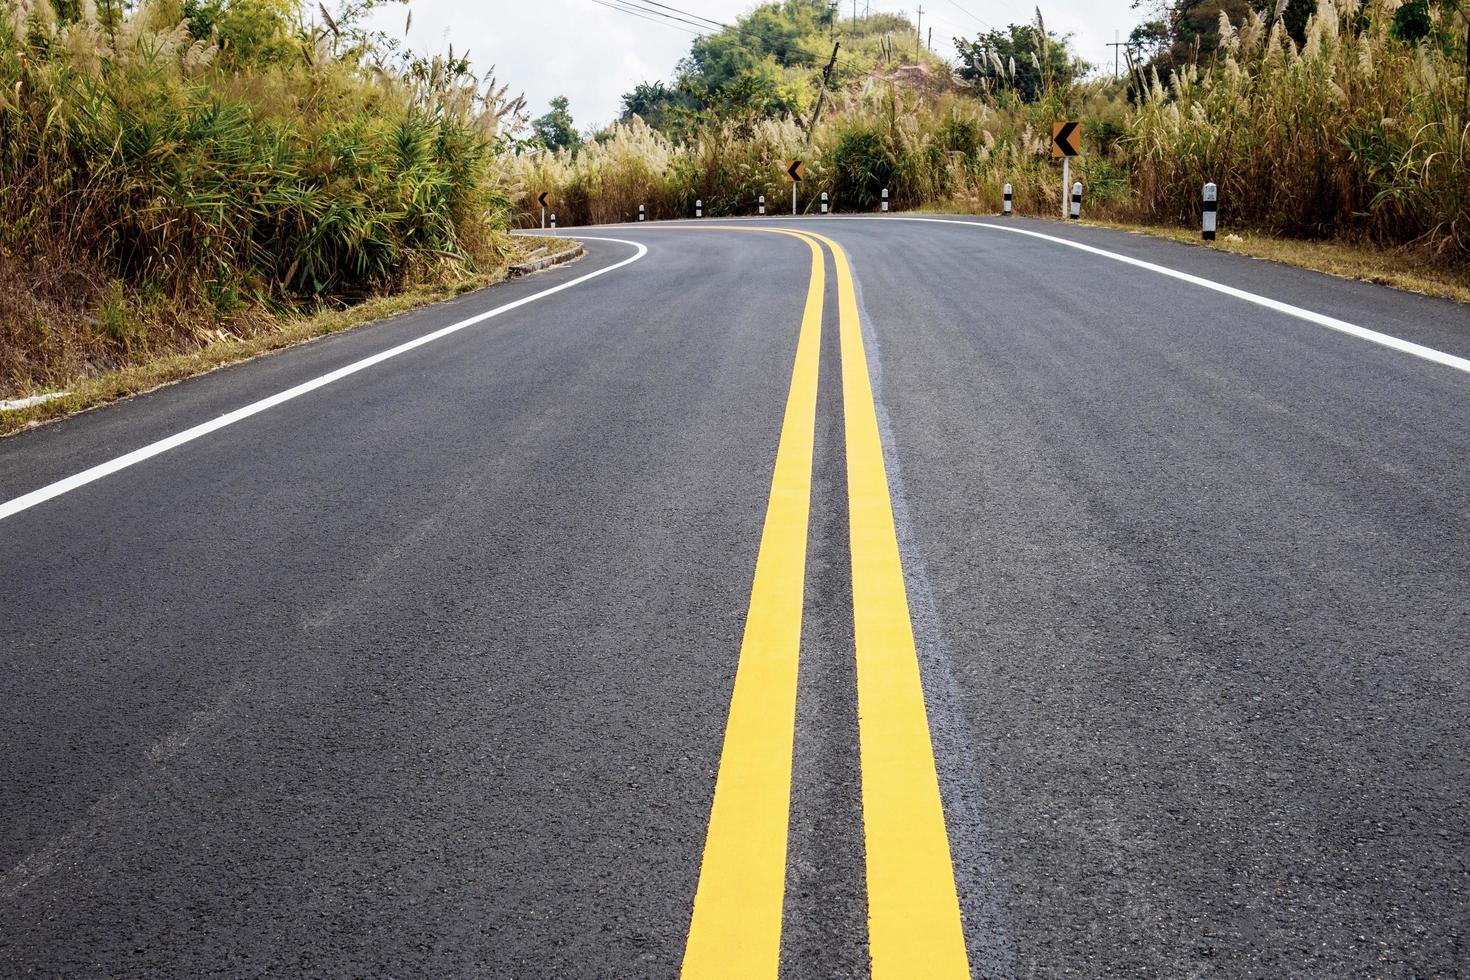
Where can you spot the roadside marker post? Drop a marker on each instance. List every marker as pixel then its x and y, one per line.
pixel 1077 200
pixel 1066 142
pixel 553 221
pixel 699 207
pixel 641 215
pixel 885 199
pixel 824 202
pixel 1006 204
pixel 1209 212
pixel 794 170
pixel 761 208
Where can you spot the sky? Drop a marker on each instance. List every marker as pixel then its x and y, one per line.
pixel 592 54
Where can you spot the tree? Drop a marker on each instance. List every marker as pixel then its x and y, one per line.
pixel 1416 22
pixel 555 129
pixel 1023 59
pixel 652 102
pixel 786 35
pixel 763 67
pixel 1184 32
pixel 248 31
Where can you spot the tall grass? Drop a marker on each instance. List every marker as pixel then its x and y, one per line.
pixel 165 179
pixel 945 150
pixel 1353 135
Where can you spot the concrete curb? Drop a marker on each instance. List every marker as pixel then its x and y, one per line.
pixel 545 262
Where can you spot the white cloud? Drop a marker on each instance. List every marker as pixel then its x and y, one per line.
pixel 592 54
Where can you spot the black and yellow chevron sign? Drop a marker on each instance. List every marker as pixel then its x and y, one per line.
pixel 1066 138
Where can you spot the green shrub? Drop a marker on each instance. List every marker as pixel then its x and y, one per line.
pixel 224 155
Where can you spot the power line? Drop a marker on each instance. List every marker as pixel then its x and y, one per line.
pixel 959 31
pixel 973 17
pixel 645 6
pixel 650 9
pixel 637 10
pixel 651 20
pixel 655 3
pixel 982 23
pixel 632 6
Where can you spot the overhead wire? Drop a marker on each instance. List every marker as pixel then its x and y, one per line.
pixel 652 20
pixel 707 20
pixel 959 31
pixel 633 6
pixel 659 12
pixel 982 22
pixel 637 7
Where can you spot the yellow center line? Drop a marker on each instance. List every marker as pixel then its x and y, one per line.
pixel 914 927
pixel 735 930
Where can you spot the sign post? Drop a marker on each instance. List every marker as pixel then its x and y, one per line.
pixel 794 170
pixel 541 199
pixel 1066 142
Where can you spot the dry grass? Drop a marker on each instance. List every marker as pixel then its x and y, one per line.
pixel 175 177
pixel 1415 270
pixel 1353 136
pixel 147 375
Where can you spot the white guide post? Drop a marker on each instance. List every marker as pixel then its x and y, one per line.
pixel 1066 183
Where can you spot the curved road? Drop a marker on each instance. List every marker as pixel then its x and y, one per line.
pixel 1129 587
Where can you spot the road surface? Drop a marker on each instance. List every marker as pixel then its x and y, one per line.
pixel 1099 611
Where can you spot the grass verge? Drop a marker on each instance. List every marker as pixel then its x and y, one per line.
pixel 1401 268
pixel 135 379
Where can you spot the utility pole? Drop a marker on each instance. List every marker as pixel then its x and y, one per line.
pixel 822 95
pixel 854 16
pixel 919 32
pixel 1115 46
pixel 930 44
pixel 832 20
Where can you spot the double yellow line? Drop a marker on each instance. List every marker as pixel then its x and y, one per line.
pixel 914 925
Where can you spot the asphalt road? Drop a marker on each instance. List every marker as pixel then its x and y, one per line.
pixel 429 671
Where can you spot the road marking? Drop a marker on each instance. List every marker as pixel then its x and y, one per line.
pixel 735 928
pixel 12 507
pixel 1321 319
pixel 914 927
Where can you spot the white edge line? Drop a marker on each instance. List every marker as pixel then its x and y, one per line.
pixel 1331 323
pixel 29 500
